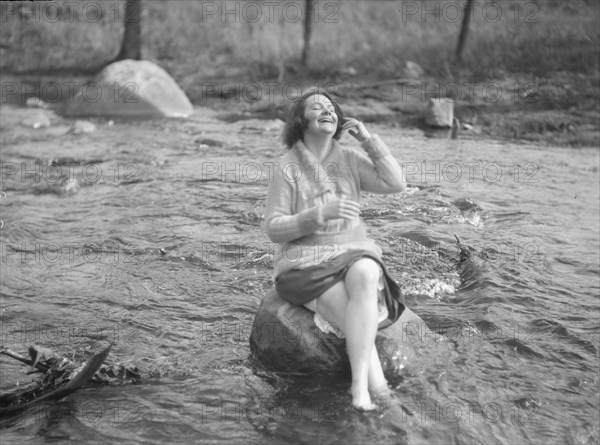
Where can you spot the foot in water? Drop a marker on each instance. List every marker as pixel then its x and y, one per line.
pixel 383 396
pixel 361 400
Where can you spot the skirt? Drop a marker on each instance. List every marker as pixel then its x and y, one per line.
pixel 300 286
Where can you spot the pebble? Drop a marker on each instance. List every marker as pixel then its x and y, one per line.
pixel 36 102
pixel 36 121
pixel 80 127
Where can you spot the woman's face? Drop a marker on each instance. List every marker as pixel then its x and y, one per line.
pixel 320 114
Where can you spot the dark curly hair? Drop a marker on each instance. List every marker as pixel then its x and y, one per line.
pixel 296 123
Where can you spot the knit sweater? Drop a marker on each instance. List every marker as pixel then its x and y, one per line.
pixel 301 186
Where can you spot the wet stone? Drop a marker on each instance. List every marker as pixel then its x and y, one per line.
pixel 285 338
pixel 210 142
pixel 439 112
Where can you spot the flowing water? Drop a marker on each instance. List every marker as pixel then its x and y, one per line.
pixel 148 234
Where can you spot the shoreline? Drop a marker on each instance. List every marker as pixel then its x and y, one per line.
pixel 561 110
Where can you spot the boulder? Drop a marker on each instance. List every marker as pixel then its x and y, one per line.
pixel 81 127
pixel 285 338
pixel 439 112
pixel 412 70
pixel 130 88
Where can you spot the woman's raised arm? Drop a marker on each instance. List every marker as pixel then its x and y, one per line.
pixel 381 173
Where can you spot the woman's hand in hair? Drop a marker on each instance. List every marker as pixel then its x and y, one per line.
pixel 356 129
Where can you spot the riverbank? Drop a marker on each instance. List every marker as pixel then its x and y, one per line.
pixel 529 70
pixel 562 110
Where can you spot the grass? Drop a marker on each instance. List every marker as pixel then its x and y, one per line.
pixel 554 44
pixel 374 37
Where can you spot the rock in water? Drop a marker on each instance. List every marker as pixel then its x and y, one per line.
pixel 130 88
pixel 285 338
pixel 439 112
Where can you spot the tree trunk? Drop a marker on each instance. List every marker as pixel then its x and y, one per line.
pixel 307 30
pixel 131 48
pixel 464 30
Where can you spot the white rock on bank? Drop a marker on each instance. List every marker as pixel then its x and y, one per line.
pixel 439 112
pixel 130 88
pixel 37 120
pixel 36 102
pixel 412 70
pixel 80 127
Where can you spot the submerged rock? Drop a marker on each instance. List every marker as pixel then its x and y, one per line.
pixel 439 112
pixel 130 88
pixel 285 338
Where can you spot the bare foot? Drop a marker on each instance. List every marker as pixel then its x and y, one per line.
pixel 383 395
pixel 362 401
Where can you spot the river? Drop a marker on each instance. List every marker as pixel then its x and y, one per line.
pixel 148 234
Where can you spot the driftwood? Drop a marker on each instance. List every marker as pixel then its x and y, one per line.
pixel 59 377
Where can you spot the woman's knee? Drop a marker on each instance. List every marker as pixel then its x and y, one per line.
pixel 365 270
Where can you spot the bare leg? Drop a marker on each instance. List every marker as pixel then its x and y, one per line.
pixel 361 326
pixel 377 382
pixel 352 305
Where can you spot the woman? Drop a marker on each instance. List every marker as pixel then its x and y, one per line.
pixel 325 261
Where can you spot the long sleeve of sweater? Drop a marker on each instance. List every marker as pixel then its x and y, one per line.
pixel 380 173
pixel 282 224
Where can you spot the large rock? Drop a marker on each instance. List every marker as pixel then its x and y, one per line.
pixel 439 112
pixel 412 70
pixel 284 338
pixel 130 88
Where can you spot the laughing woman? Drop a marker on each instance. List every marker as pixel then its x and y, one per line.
pixel 325 261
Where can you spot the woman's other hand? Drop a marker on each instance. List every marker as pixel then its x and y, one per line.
pixel 356 129
pixel 341 208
